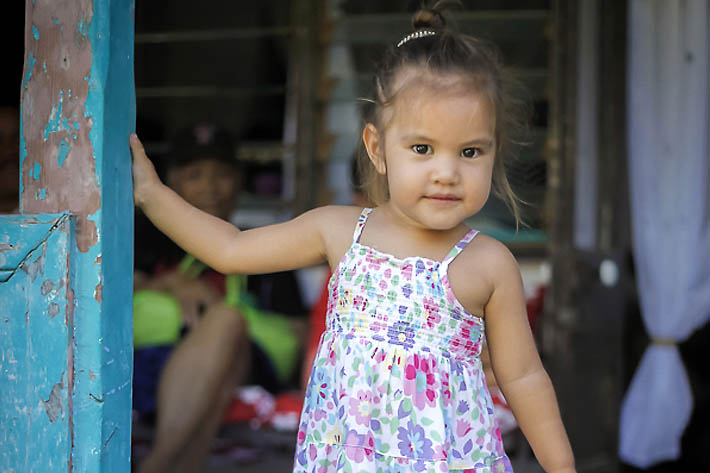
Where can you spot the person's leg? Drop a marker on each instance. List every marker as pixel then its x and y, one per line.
pixel 195 389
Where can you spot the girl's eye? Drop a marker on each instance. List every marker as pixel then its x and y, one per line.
pixel 421 149
pixel 470 152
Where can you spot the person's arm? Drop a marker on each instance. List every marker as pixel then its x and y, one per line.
pixel 219 244
pixel 518 369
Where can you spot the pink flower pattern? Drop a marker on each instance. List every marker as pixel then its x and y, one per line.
pixel 397 383
pixel 420 380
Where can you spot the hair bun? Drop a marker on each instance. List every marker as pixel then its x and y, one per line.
pixel 428 18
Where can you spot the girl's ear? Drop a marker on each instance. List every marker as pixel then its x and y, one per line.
pixel 374 144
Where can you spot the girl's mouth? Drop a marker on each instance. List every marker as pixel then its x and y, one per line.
pixel 442 197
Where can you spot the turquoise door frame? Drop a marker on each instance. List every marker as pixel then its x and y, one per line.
pixel 66 262
pixel 36 329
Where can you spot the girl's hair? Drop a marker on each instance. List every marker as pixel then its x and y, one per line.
pixel 448 52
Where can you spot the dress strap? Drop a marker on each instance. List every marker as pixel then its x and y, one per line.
pixel 458 247
pixel 361 224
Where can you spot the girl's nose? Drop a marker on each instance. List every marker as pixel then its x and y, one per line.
pixel 446 170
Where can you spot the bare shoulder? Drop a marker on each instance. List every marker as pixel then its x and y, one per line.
pixel 335 219
pixel 335 214
pixel 491 257
pixel 482 268
pixel 337 224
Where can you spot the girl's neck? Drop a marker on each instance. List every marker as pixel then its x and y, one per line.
pixel 392 232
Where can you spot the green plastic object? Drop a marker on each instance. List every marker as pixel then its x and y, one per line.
pixel 274 334
pixel 156 319
pixel 271 331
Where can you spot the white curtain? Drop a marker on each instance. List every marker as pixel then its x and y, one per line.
pixel 669 167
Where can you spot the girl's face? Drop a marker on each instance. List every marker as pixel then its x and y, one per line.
pixel 209 184
pixel 437 151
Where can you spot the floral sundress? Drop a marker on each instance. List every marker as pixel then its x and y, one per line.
pixel 397 383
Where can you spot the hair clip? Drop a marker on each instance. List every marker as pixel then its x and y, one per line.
pixel 415 35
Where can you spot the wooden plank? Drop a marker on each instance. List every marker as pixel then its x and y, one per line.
pixel 78 108
pixel 496 25
pixel 36 332
pixel 582 326
pixel 535 80
pixel 209 91
pixel 300 119
pixel 212 35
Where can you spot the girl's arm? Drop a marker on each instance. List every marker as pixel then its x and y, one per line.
pixel 518 369
pixel 219 244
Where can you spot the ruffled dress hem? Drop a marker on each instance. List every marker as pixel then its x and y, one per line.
pixel 326 457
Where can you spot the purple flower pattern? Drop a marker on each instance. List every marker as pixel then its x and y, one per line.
pixel 397 384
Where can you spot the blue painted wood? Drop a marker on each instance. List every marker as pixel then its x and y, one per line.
pixel 78 109
pixel 36 334
pixel 104 361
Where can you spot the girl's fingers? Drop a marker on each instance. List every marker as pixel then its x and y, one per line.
pixel 144 176
pixel 136 145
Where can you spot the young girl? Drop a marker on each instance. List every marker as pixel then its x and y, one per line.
pixel 397 383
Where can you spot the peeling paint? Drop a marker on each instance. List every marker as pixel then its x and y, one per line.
pixel 119 388
pixel 83 28
pixel 47 287
pixel 64 149
pixel 37 266
pixel 55 122
pixel 53 310
pixel 98 292
pixel 30 64
pixel 36 170
pixel 74 135
pixel 53 405
pixel 35 33
pixel 69 314
pixel 42 194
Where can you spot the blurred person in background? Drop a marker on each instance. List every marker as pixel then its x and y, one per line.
pixel 198 332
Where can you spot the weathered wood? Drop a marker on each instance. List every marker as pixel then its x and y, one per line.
pixel 614 206
pixel 301 118
pixel 583 315
pixel 36 331
pixel 78 108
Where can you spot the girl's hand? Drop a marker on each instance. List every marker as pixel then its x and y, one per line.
pixel 144 176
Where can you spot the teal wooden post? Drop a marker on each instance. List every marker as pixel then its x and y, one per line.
pixel 36 332
pixel 78 108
